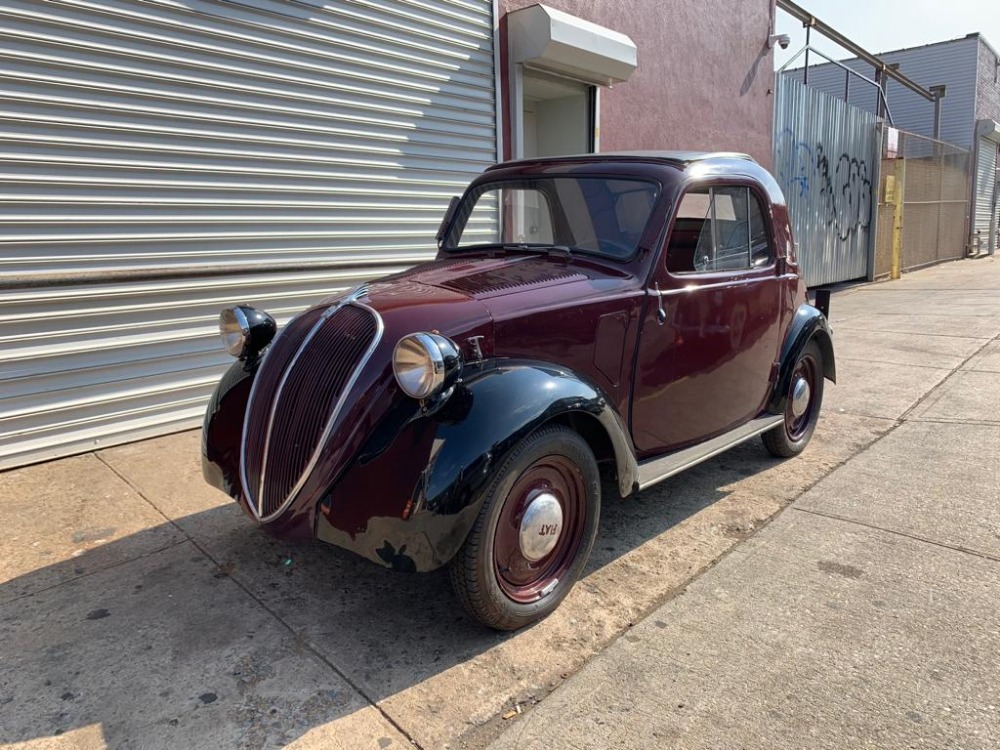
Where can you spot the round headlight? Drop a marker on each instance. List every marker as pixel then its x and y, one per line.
pixel 245 331
pixel 235 330
pixel 425 363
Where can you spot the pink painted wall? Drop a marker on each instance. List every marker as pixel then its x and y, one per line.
pixel 704 80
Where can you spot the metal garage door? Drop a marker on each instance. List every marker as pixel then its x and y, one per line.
pixel 986 169
pixel 160 159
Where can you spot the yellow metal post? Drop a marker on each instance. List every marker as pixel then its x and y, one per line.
pixel 898 185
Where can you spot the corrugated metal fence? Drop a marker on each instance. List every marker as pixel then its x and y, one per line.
pixel 160 159
pixel 826 161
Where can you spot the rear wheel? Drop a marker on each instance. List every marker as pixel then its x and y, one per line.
pixel 534 532
pixel 805 396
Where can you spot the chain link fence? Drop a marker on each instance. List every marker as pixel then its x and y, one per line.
pixel 933 177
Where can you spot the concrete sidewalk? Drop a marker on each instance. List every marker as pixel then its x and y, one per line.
pixel 139 608
pixel 866 615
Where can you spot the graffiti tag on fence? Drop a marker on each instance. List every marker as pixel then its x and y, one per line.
pixel 843 183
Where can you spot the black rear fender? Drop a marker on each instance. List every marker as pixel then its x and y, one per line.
pixel 809 324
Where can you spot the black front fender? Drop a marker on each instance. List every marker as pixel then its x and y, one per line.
pixel 506 404
pixel 809 324
pixel 222 430
pixel 412 495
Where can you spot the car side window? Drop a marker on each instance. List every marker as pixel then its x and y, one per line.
pixel 718 229
pixel 732 231
pixel 692 233
pixel 760 238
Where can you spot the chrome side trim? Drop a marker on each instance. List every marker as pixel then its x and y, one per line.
pixel 754 275
pixel 350 298
pixel 657 469
pixel 331 422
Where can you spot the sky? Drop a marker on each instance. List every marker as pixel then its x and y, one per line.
pixel 885 25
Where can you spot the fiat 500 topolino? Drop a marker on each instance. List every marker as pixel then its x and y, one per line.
pixel 638 311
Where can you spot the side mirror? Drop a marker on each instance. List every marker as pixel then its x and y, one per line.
pixel 449 214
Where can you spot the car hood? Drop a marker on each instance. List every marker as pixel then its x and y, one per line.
pixel 504 287
pixel 488 278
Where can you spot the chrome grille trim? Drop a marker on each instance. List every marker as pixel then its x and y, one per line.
pixel 246 418
pixel 332 420
pixel 258 506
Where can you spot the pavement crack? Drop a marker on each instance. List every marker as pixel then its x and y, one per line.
pixel 907 535
pixel 906 414
pixel 945 420
pixel 138 490
pixel 890 362
pixel 846 326
pixel 95 571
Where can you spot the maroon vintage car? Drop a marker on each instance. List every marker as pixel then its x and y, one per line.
pixel 641 311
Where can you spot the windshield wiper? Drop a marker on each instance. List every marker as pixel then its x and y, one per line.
pixel 556 251
pixel 540 248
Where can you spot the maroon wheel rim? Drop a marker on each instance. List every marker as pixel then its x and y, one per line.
pixel 806 368
pixel 521 579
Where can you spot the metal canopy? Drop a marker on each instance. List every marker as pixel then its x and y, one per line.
pixel 549 39
pixel 989 129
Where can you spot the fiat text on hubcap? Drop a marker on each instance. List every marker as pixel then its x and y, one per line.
pixel 540 527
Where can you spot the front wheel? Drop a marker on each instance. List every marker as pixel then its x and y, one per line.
pixel 805 396
pixel 534 532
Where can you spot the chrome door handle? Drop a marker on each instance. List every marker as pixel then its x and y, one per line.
pixel 661 314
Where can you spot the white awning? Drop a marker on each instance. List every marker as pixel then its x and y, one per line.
pixel 988 129
pixel 552 40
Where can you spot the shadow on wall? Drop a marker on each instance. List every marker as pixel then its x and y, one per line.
pixel 752 72
pixel 225 637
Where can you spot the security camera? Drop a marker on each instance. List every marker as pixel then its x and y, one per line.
pixel 782 40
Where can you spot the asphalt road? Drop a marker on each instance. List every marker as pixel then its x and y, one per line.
pixel 846 598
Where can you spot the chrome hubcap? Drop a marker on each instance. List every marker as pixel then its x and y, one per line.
pixel 541 526
pixel 800 397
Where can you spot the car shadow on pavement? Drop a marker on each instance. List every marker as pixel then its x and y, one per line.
pixel 211 633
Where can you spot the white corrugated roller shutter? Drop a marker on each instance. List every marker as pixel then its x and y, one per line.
pixel 986 170
pixel 160 160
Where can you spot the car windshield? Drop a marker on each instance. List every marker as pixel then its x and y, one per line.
pixel 598 215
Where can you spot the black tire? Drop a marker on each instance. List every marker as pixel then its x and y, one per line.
pixel 792 435
pixel 494 581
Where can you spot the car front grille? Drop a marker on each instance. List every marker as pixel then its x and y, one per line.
pixel 297 398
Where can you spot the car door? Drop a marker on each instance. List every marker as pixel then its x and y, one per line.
pixel 709 335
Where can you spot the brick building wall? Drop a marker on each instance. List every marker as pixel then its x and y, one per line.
pixel 987 83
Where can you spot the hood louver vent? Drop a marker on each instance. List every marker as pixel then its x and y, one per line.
pixel 502 280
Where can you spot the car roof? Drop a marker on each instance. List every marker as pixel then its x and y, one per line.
pixel 671 166
pixel 679 159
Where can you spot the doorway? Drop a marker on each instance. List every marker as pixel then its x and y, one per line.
pixel 558 116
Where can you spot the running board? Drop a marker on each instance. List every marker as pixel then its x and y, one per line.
pixel 658 469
